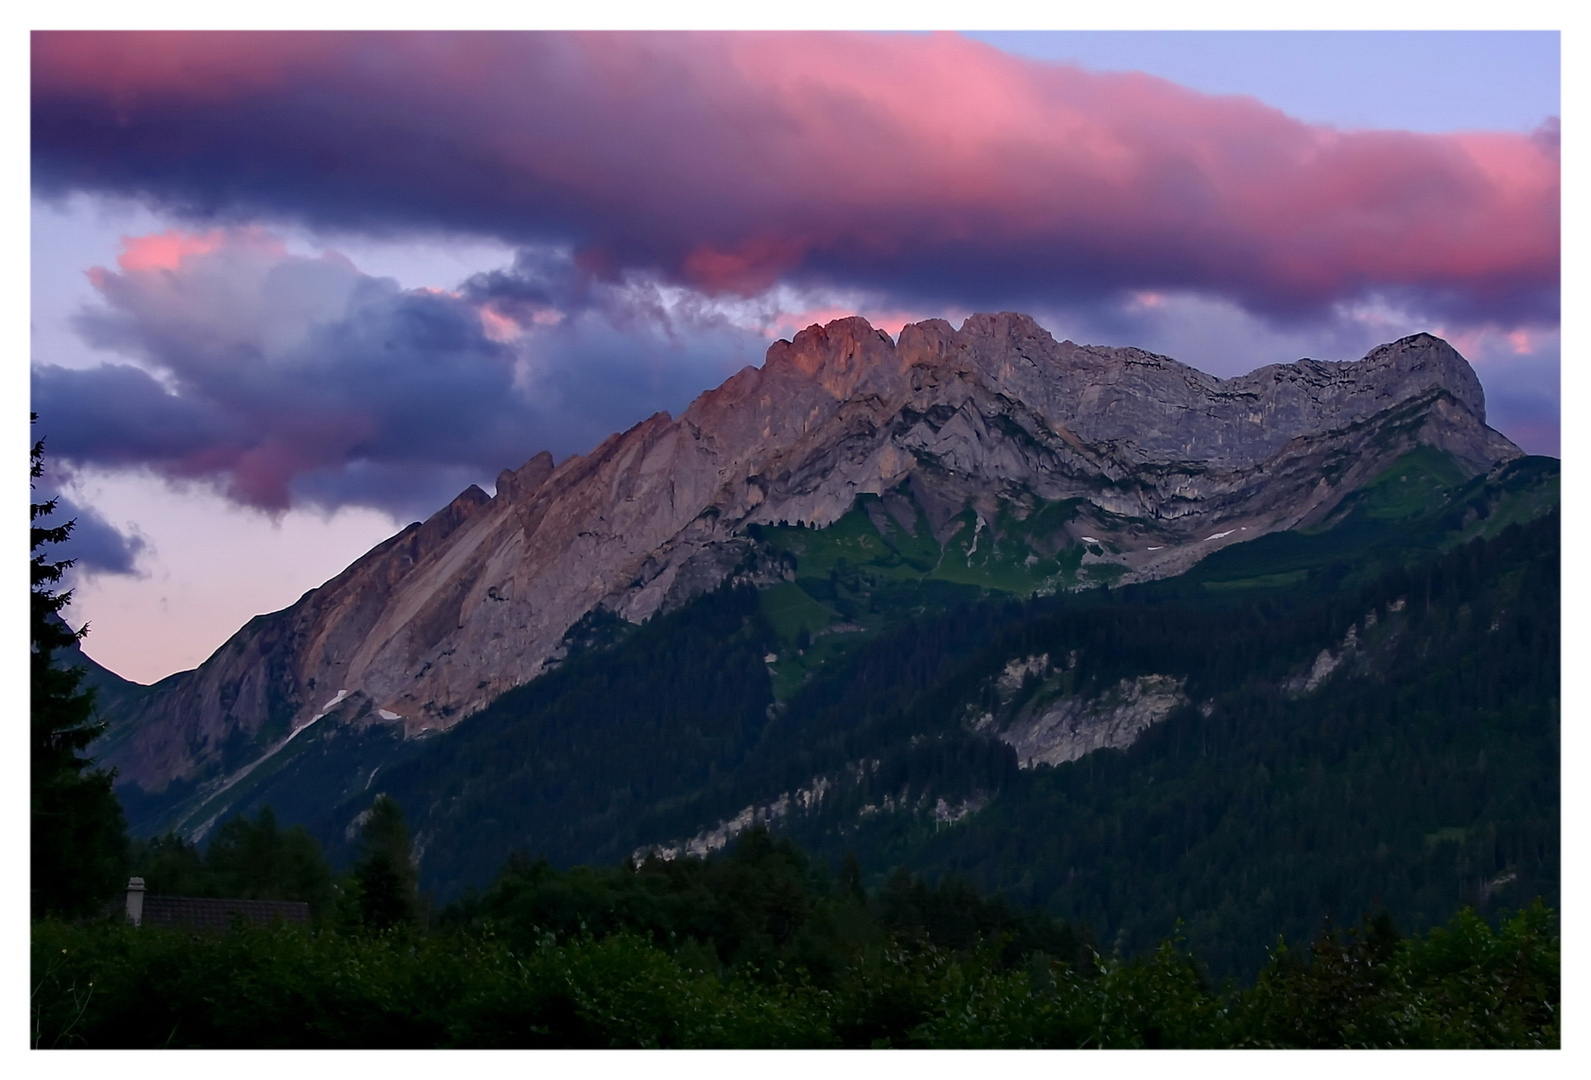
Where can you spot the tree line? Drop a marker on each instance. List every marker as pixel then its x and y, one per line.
pixel 765 947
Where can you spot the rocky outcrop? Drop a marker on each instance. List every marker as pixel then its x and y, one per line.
pixel 704 843
pixel 805 801
pixel 443 617
pixel 1067 728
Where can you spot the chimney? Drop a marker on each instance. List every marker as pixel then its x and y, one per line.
pixel 135 901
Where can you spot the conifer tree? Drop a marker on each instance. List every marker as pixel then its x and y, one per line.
pixel 385 870
pixel 79 834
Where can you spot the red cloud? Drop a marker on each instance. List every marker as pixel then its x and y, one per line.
pixel 927 167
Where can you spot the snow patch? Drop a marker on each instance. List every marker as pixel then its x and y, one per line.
pixel 199 833
pixel 324 709
pixel 385 715
pixel 1218 535
pixel 977 527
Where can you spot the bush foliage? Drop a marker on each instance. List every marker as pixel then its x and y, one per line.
pixel 764 948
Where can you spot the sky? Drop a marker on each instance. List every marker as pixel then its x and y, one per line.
pixel 292 292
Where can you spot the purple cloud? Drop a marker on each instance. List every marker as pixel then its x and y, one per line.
pixel 95 546
pixel 287 379
pixel 931 169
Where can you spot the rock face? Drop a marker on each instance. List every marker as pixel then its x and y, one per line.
pixel 1068 728
pixel 435 622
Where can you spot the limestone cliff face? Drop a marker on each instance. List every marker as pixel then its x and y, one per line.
pixel 1067 728
pixel 440 619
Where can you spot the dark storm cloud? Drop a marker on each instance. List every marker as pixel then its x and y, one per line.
pixel 285 379
pixel 928 169
pixel 118 415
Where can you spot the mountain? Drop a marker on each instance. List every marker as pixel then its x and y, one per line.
pixel 990 458
pixel 110 689
pixel 1317 723
pixel 1247 765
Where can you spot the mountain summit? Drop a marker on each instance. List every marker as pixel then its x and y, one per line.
pixel 957 433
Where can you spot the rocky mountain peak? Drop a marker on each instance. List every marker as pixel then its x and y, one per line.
pixel 1427 360
pixel 519 483
pixel 960 426
pixel 926 344
pixel 1006 330
pixel 845 357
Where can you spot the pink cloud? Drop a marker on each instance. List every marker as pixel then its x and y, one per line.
pixel 498 327
pixel 931 167
pixel 166 250
pixel 279 366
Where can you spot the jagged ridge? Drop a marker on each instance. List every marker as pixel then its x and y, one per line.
pixel 439 620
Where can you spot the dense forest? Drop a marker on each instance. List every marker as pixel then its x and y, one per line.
pixel 1427 780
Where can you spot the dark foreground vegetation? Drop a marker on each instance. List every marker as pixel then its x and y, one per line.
pixel 764 948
